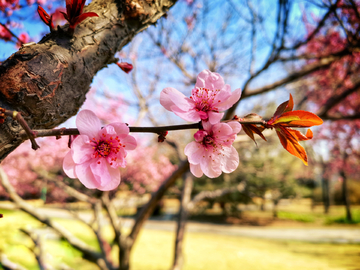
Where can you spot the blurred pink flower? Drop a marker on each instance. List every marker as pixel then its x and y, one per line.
pixel 5 34
pixel 210 96
pixel 212 152
pixel 97 152
pixel 23 38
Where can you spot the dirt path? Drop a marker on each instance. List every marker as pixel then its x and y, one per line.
pixel 307 234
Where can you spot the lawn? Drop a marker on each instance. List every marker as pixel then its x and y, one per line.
pixel 154 250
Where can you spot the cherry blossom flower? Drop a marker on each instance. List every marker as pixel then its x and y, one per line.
pixel 97 152
pixel 212 152
pixel 210 96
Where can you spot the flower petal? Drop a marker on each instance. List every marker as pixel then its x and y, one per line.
pixel 69 165
pixel 170 97
pixel 85 175
pixel 88 123
pixel 194 152
pixel 236 126
pixel 230 160
pixel 215 117
pixel 81 149
pixel 210 168
pixel 196 170
pixel 120 128
pixel 209 80
pixel 106 176
pixel 115 180
pixel 129 142
pixel 226 104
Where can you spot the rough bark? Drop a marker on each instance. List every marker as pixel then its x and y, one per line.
pixel 47 82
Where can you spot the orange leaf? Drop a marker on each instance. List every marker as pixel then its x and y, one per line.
pixel 250 129
pixel 287 106
pixel 289 142
pixel 297 135
pixel 298 119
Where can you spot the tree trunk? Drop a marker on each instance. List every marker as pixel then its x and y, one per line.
pixel 145 213
pixel 275 212
pixel 183 214
pixel 345 195
pixel 262 205
pixel 325 194
pixel 47 82
pixel 125 258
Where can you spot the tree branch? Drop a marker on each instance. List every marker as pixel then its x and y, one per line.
pixel 39 80
pixel 88 251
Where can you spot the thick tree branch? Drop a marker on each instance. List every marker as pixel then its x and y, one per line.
pixel 39 79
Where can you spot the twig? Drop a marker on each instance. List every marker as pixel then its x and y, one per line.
pixel 104 245
pixel 30 134
pixel 11 33
pixel 114 220
pixel 157 130
pixel 39 252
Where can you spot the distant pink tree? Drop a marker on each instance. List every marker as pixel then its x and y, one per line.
pixel 334 91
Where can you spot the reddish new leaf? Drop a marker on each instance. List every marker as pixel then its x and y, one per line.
pixel 126 67
pixel 74 13
pixel 45 17
pixel 291 144
pixel 251 129
pixel 298 119
pixel 287 106
pixel 83 16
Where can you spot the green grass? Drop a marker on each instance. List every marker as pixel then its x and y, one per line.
pixel 343 220
pixel 153 250
pixel 301 217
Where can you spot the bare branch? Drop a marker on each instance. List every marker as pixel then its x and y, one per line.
pixel 156 196
pixel 88 251
pixel 114 220
pixel 38 249
pixel 334 100
pixel 215 194
pixel 183 214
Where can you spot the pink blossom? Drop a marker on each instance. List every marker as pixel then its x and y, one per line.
pixel 5 34
pixel 210 96
pixel 97 152
pixel 23 38
pixel 212 151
